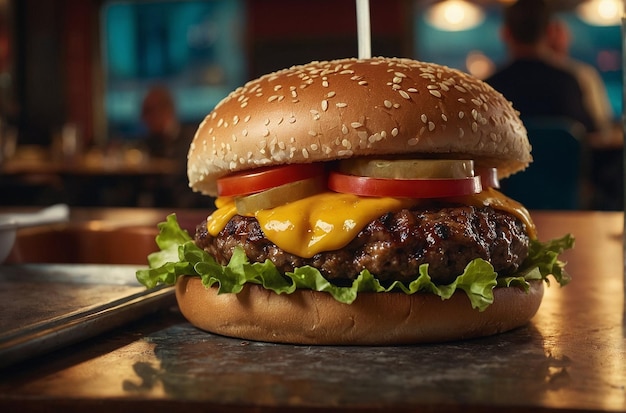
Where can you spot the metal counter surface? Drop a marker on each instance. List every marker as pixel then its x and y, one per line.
pixel 571 357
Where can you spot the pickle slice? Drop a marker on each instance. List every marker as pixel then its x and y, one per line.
pixel 280 195
pixel 409 168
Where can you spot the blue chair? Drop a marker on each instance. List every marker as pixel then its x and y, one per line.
pixel 556 178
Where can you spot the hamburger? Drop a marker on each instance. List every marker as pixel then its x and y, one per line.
pixel 357 203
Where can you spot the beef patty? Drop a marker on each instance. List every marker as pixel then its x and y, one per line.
pixel 393 246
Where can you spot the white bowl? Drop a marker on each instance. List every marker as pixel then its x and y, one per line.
pixel 11 222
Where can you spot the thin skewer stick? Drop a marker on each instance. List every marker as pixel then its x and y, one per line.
pixel 363 28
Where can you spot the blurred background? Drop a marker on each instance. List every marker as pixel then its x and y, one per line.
pixel 75 76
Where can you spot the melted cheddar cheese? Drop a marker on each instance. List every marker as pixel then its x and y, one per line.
pixel 329 221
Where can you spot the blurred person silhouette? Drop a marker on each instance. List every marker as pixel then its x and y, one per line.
pixel 164 136
pixel 607 143
pixel 167 138
pixel 595 96
pixel 532 79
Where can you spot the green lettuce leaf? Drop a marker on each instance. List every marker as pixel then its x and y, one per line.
pixel 179 256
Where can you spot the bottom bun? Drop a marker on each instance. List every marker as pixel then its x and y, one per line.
pixel 309 317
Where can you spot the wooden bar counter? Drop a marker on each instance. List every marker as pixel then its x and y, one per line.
pixel 571 357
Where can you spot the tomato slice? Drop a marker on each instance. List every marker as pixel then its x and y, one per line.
pixel 488 177
pixel 261 179
pixel 280 195
pixel 403 188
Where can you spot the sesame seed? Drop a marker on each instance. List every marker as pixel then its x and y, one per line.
pixel 344 129
pixel 235 120
pixel 220 122
pixel 267 122
pixel 272 98
pixel 324 105
pixel 246 119
pixel 394 132
pixel 305 153
pixel 461 132
pixel 412 141
pixel 435 93
pixel 431 126
pixel 388 104
pixel 266 132
pixel 330 94
pixel 362 83
pixel 244 132
pixel 341 105
pixel 356 125
pixel 424 118
pixel 277 87
pixel 406 95
pixel 397 79
pixel 312 133
pixel 412 90
pixel 244 104
pixel 314 147
pixel 325 83
pixel 474 127
pixel 461 115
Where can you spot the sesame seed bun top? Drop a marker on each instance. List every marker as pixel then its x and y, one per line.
pixel 338 109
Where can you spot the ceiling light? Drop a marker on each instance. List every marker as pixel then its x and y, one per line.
pixel 454 15
pixel 601 12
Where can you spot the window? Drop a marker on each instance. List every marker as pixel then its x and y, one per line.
pixel 196 48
